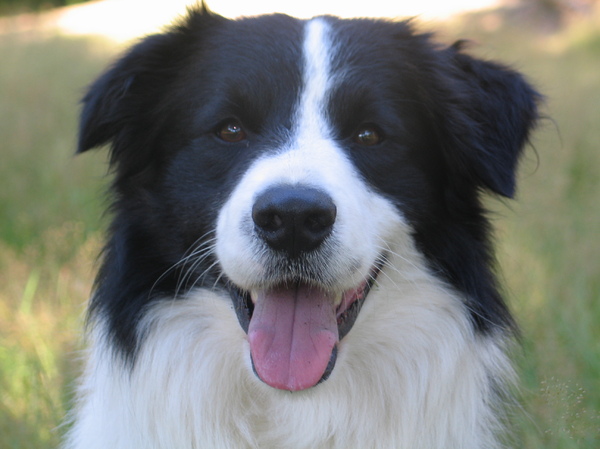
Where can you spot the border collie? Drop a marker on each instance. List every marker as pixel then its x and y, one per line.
pixel 299 256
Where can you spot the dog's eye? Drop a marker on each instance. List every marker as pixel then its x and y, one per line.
pixel 231 131
pixel 368 135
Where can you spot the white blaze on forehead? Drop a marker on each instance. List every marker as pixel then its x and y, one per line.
pixel 317 80
pixel 311 157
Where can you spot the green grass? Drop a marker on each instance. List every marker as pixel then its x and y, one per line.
pixel 49 233
pixel 548 240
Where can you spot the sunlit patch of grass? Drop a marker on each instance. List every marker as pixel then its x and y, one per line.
pixel 41 83
pixel 49 224
pixel 41 311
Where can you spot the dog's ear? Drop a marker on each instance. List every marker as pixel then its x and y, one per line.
pixel 488 121
pixel 116 98
pixel 119 107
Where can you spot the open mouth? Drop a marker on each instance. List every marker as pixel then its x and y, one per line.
pixel 294 329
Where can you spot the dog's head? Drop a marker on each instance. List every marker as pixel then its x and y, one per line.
pixel 289 163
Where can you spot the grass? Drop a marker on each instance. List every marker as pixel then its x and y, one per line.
pixel 49 210
pixel 548 244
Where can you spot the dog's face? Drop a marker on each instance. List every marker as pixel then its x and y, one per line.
pixel 288 237
pixel 288 163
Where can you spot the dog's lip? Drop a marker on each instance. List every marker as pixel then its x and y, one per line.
pixel 242 304
pixel 348 309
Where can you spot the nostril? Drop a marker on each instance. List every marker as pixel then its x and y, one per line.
pixel 294 219
pixel 267 219
pixel 322 219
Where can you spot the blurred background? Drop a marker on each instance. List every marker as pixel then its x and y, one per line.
pixel 51 203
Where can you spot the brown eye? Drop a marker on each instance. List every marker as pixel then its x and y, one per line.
pixel 368 136
pixel 231 131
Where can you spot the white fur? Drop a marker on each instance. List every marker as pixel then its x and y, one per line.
pixel 411 374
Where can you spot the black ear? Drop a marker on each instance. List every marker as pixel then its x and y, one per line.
pixel 118 98
pixel 493 109
pixel 119 107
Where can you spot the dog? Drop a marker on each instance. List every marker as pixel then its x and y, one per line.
pixel 299 256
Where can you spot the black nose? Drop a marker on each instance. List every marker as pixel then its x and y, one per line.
pixel 293 219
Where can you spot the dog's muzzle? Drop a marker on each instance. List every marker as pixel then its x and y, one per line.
pixel 294 323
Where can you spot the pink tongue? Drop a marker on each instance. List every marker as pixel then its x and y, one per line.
pixel 292 334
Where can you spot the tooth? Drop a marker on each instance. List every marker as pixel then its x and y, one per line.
pixel 338 300
pixel 253 296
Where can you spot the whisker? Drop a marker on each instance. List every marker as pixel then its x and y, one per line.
pixel 199 257
pixel 203 274
pixel 386 249
pixel 197 251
